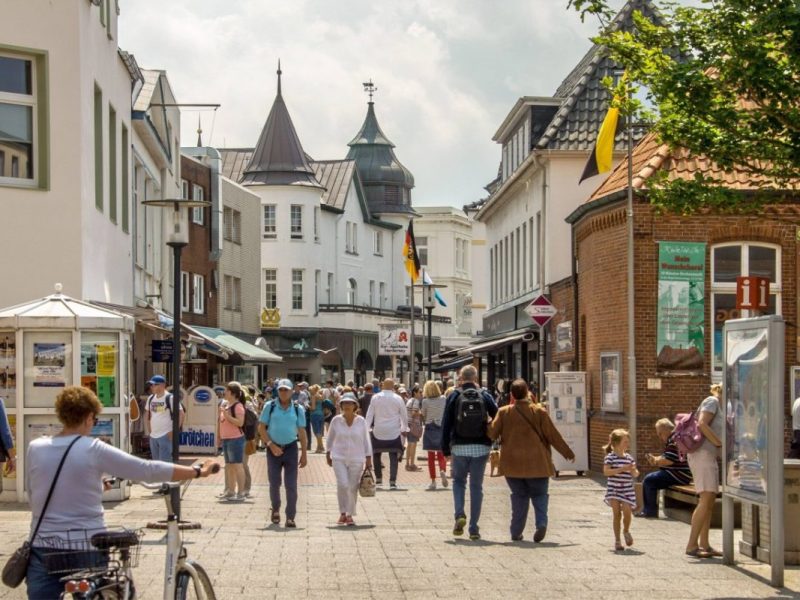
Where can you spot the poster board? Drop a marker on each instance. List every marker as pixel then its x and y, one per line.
pixel 100 366
pixel 610 381
pixel 8 368
pixel 199 435
pixel 566 398
pixel 47 360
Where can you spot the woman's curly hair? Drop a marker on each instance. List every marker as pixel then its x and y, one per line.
pixel 75 403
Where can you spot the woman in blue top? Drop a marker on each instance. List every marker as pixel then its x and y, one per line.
pixel 317 416
pixel 7 452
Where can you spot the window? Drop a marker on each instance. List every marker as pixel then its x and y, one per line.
pixel 422 250
pixel 112 164
pixel 185 291
pixel 317 281
pixel 297 289
pixel 352 291
pixel 382 294
pixel 377 243
pixel 198 294
pixel 372 293
pixel 351 238
pixel 458 254
pixel 492 275
pixel 233 293
pixel 270 288
pixel 198 212
pixel 232 225
pixel 536 242
pixel 184 189
pixel 316 223
pixel 729 261
pixel 126 169
pixel 525 255
pixel 517 263
pixel 511 265
pixel 98 148
pixel 506 268
pixel 329 289
pixel 297 222
pixel 23 145
pixel 270 225
pixel 355 238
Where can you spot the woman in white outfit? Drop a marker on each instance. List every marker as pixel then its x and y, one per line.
pixel 349 452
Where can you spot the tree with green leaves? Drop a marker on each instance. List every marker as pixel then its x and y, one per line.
pixel 724 77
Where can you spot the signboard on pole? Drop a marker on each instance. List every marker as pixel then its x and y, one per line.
pixel 566 402
pixel 541 310
pixel 394 340
pixel 199 435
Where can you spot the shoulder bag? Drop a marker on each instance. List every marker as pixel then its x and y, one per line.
pixel 17 565
pixel 366 487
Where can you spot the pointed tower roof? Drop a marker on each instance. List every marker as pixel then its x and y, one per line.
pixel 278 158
pixel 386 181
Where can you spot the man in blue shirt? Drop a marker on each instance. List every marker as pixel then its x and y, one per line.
pixel 465 437
pixel 281 426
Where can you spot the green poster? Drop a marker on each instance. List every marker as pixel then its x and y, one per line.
pixel 105 391
pixel 681 306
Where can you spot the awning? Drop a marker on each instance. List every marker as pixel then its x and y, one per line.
pixel 451 365
pixel 246 351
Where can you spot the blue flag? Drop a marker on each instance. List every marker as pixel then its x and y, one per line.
pixel 426 279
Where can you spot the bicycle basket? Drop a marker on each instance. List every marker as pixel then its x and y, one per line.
pixel 88 549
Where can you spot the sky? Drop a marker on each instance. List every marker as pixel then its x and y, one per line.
pixel 447 72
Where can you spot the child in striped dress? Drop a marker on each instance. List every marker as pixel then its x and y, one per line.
pixel 620 468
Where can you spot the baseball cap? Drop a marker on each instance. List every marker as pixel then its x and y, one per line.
pixel 156 379
pixel 285 384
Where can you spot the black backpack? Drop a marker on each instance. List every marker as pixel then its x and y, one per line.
pixel 470 415
pixel 250 427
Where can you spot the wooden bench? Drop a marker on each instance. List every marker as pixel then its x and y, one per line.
pixel 681 500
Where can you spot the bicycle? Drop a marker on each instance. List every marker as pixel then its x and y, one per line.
pixel 105 560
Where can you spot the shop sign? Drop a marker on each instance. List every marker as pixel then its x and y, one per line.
pixel 162 351
pixel 394 340
pixel 499 322
pixel 752 293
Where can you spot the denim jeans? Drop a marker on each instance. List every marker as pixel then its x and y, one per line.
pixel 161 448
pixel 474 467
pixel 288 463
pixel 657 480
pixel 523 491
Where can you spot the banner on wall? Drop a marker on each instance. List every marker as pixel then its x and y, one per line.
pixel 680 336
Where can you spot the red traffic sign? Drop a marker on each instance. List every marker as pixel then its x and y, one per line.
pixel 541 311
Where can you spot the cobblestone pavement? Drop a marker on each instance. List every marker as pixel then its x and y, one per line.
pixel 403 547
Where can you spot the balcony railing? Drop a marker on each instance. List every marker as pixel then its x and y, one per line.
pixel 402 312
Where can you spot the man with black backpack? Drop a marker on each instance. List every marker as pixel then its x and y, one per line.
pixel 465 423
pixel 159 409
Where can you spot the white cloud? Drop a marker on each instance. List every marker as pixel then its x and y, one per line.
pixel 447 72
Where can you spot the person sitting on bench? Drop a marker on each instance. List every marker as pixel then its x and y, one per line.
pixel 673 470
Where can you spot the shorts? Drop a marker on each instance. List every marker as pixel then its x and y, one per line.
pixel 317 423
pixel 705 471
pixel 233 449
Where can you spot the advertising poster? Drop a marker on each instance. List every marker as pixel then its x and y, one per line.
pixel 106 389
pixel 566 393
pixel 104 431
pixel 49 362
pixel 98 371
pixel 681 305
pixel 8 368
pixel 610 381
pixel 200 425
pixel 394 340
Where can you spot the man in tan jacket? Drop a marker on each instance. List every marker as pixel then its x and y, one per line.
pixel 526 434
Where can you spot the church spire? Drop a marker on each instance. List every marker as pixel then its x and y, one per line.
pixel 278 158
pixel 199 133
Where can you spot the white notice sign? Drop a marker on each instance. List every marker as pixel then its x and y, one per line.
pixel 566 402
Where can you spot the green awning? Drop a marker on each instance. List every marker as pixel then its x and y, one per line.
pixel 246 351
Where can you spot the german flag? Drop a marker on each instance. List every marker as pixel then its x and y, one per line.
pixel 410 258
pixel 601 158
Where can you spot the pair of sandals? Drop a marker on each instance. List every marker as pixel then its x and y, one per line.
pixel 704 552
pixel 618 547
pixel 275 517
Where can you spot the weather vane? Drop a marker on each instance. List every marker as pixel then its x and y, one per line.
pixel 370 88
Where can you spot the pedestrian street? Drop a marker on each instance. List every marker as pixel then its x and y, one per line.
pixel 403 547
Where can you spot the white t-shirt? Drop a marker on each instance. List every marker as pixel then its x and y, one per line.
pixel 796 414
pixel 77 501
pixel 160 418
pixel 387 415
pixel 349 443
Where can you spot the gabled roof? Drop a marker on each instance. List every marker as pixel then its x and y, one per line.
pixel 575 125
pixel 278 158
pixel 145 96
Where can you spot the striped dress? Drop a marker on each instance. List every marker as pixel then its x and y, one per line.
pixel 620 486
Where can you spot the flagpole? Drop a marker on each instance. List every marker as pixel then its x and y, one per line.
pixel 411 346
pixel 632 420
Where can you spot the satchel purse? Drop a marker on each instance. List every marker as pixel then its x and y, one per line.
pixel 366 488
pixel 16 567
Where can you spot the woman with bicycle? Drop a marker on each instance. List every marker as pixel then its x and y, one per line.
pixel 69 468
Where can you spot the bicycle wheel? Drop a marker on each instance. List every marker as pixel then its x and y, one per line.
pixel 193 587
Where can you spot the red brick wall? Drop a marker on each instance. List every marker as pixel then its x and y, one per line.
pixel 601 238
pixel 562 297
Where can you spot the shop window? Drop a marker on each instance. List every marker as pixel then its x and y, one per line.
pixel 729 261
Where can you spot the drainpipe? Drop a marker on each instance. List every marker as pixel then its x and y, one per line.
pixel 542 264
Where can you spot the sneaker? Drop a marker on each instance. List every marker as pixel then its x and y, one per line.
pixel 443 476
pixel 392 485
pixel 290 523
pixel 516 538
pixel 378 481
pixel 239 498
pixel 539 534
pixel 461 522
pixel 350 521
pixel 225 495
pixel 247 494
pixel 474 536
pixel 432 486
pixel 342 519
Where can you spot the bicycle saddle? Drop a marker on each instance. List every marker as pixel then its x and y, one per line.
pixel 107 540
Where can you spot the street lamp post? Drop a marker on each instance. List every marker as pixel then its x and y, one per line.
pixel 177 239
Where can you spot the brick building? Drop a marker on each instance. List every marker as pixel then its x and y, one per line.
pixel 670 377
